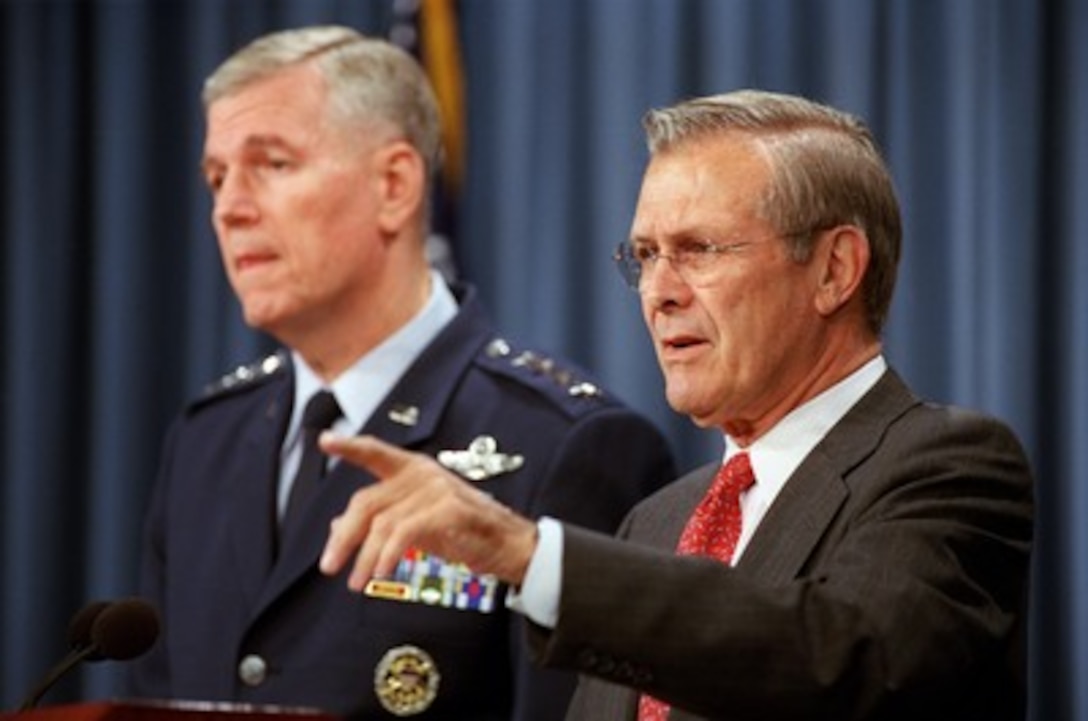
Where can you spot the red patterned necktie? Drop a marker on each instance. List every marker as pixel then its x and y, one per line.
pixel 713 530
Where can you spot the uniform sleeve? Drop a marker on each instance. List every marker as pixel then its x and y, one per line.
pixel 148 676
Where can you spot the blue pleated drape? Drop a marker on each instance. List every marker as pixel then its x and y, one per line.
pixel 114 308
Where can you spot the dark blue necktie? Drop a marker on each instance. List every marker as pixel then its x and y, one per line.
pixel 321 412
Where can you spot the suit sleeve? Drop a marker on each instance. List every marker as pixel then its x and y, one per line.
pixel 909 602
pixel 608 462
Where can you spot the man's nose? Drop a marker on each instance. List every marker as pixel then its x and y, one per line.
pixel 233 200
pixel 662 284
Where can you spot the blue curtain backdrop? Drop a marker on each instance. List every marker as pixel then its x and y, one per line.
pixel 114 308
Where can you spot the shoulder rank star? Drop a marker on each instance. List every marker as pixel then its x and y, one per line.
pixel 481 460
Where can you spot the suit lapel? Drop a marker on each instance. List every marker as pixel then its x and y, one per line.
pixel 664 522
pixel 813 495
pixel 795 522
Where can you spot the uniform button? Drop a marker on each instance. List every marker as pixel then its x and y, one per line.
pixel 253 670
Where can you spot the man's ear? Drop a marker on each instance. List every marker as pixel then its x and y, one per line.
pixel 843 254
pixel 401 179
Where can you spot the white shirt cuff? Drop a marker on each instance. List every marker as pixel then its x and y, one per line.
pixel 539 595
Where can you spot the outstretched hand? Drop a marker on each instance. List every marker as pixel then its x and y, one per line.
pixel 418 503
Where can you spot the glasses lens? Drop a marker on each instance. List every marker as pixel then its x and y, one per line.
pixel 628 266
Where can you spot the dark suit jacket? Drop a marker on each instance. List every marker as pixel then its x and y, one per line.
pixel 211 566
pixel 887 581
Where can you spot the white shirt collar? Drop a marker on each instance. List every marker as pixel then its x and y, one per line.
pixel 361 388
pixel 778 453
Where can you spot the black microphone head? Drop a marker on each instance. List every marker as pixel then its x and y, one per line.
pixel 79 628
pixel 124 630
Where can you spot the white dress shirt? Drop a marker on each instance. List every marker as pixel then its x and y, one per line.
pixel 774 457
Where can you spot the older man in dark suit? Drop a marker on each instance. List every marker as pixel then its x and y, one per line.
pixel 857 553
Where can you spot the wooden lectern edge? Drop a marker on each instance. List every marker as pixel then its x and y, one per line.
pixel 151 710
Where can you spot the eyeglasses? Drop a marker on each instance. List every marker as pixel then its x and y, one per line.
pixel 695 261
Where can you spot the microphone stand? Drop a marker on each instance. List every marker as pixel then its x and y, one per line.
pixel 66 664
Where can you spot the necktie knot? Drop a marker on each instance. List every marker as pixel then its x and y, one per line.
pixel 321 411
pixel 714 528
pixel 735 477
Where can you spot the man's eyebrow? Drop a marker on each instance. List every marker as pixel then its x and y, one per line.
pixel 673 236
pixel 264 141
pixel 260 142
pixel 251 143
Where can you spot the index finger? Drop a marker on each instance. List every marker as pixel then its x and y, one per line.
pixel 372 454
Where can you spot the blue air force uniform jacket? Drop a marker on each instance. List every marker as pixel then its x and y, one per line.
pixel 247 617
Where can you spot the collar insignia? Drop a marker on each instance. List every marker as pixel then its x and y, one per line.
pixel 404 415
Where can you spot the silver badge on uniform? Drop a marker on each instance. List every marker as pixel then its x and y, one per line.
pixel 481 460
pixel 406 680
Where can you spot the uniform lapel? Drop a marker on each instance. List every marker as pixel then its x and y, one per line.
pixel 254 490
pixel 408 417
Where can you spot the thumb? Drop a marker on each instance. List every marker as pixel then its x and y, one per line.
pixel 381 459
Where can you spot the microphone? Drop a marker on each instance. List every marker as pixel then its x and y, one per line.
pixel 124 630
pixel 79 628
pixel 115 630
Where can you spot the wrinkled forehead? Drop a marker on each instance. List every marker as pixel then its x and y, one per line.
pixel 292 98
pixel 701 185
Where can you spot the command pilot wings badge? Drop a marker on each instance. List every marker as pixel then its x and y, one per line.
pixel 481 460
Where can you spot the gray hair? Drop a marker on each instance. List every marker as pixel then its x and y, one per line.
pixel 826 171
pixel 369 80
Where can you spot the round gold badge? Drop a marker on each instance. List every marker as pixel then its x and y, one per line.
pixel 406 680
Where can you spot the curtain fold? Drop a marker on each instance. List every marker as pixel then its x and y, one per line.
pixel 115 310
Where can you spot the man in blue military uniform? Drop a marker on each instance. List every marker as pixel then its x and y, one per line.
pixel 319 153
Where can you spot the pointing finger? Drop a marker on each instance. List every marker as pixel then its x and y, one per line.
pixel 381 459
